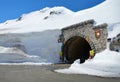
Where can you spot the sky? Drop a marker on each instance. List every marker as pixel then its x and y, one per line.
pixel 12 9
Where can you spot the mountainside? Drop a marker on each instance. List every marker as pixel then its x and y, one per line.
pixel 59 17
pixel 107 12
pixel 47 18
pixel 33 37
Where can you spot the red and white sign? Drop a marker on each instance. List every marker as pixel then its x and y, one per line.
pixel 98 33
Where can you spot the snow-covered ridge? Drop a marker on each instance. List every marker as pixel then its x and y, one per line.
pixel 59 17
pixel 108 12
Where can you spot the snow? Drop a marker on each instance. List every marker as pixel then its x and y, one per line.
pixel 38 21
pixel 14 55
pixel 26 63
pixel 105 64
pixel 38 47
pixel 108 12
pixel 113 30
pixel 59 17
pixel 32 38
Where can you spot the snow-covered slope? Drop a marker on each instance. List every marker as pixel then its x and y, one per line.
pixel 47 18
pixel 107 12
pixel 59 17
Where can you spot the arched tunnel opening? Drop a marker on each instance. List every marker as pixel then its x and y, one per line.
pixel 76 48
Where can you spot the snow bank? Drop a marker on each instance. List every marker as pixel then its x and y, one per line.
pixel 113 30
pixel 105 64
pixel 14 55
pixel 37 47
pixel 26 63
pixel 12 50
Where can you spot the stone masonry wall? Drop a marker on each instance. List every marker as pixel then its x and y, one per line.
pixel 87 30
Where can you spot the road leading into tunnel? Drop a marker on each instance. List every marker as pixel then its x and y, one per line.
pixel 36 73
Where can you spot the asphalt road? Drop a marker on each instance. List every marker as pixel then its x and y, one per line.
pixel 32 73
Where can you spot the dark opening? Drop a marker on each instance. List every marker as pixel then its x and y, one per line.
pixel 76 48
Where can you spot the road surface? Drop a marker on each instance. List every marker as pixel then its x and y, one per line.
pixel 33 73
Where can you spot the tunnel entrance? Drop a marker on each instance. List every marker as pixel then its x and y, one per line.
pixel 83 40
pixel 76 48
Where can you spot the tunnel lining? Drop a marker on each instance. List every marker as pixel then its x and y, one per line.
pixel 73 44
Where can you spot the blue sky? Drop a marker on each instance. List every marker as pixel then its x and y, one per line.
pixel 11 9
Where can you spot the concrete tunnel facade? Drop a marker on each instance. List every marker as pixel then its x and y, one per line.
pixel 80 39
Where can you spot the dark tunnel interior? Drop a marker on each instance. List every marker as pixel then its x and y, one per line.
pixel 76 48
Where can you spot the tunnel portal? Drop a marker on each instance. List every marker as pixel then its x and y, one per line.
pixel 81 40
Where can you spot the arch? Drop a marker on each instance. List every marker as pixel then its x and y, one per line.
pixel 77 47
pixel 81 34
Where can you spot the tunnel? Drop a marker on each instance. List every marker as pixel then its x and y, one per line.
pixel 76 48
